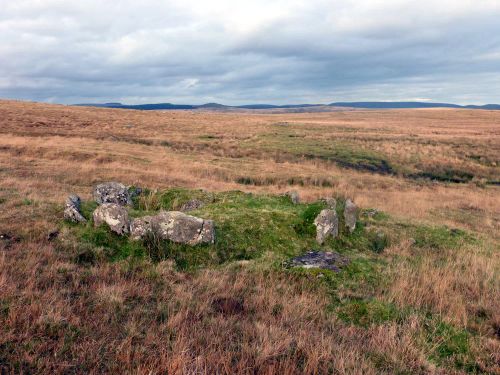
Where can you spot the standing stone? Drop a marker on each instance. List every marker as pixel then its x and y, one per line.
pixel 72 210
pixel 112 192
pixel 327 224
pixel 114 215
pixel 350 215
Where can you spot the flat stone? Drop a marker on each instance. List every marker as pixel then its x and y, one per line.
pixel 318 259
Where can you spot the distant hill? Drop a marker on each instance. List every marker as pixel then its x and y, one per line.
pixel 358 105
pixel 394 105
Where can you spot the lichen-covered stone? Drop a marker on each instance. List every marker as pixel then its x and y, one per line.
pixel 179 227
pixel 141 226
pixel 327 225
pixel 112 192
pixel 114 215
pixel 175 226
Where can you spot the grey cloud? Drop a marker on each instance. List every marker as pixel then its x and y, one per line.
pixel 232 52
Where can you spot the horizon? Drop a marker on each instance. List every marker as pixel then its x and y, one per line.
pixel 238 53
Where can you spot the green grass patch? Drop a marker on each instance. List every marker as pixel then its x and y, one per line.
pixel 367 312
pixel 450 346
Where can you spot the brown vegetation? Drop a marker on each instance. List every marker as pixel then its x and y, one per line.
pixel 136 316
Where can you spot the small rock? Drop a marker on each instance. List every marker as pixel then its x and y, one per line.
pixel 193 204
pixel 72 210
pixel 114 215
pixel 318 259
pixel 53 235
pixel 350 215
pixel 294 196
pixel 112 192
pixel 327 224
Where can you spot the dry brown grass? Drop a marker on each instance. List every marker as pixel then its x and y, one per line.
pixel 139 317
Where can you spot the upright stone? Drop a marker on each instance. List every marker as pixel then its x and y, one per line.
pixel 327 224
pixel 72 210
pixel 350 215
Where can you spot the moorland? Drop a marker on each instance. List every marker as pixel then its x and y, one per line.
pixel 424 300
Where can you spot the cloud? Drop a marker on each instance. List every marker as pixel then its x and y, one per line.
pixel 235 52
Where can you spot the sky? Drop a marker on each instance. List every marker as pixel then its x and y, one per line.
pixel 254 51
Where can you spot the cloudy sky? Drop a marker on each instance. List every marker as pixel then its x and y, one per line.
pixel 258 51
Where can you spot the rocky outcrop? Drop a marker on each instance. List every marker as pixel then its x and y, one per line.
pixel 350 215
pixel 113 192
pixel 72 210
pixel 327 225
pixel 193 204
pixel 114 215
pixel 317 259
pixel 175 226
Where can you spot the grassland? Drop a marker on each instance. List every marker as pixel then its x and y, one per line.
pixel 422 300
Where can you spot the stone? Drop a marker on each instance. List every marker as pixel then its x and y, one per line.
pixel 175 226
pixel 141 226
pixel 350 215
pixel 327 225
pixel 114 215
pixel 53 234
pixel 72 209
pixel 112 192
pixel 294 196
pixel 191 205
pixel 179 227
pixel 318 259
pixel 331 203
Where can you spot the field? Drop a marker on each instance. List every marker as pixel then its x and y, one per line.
pixel 425 300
